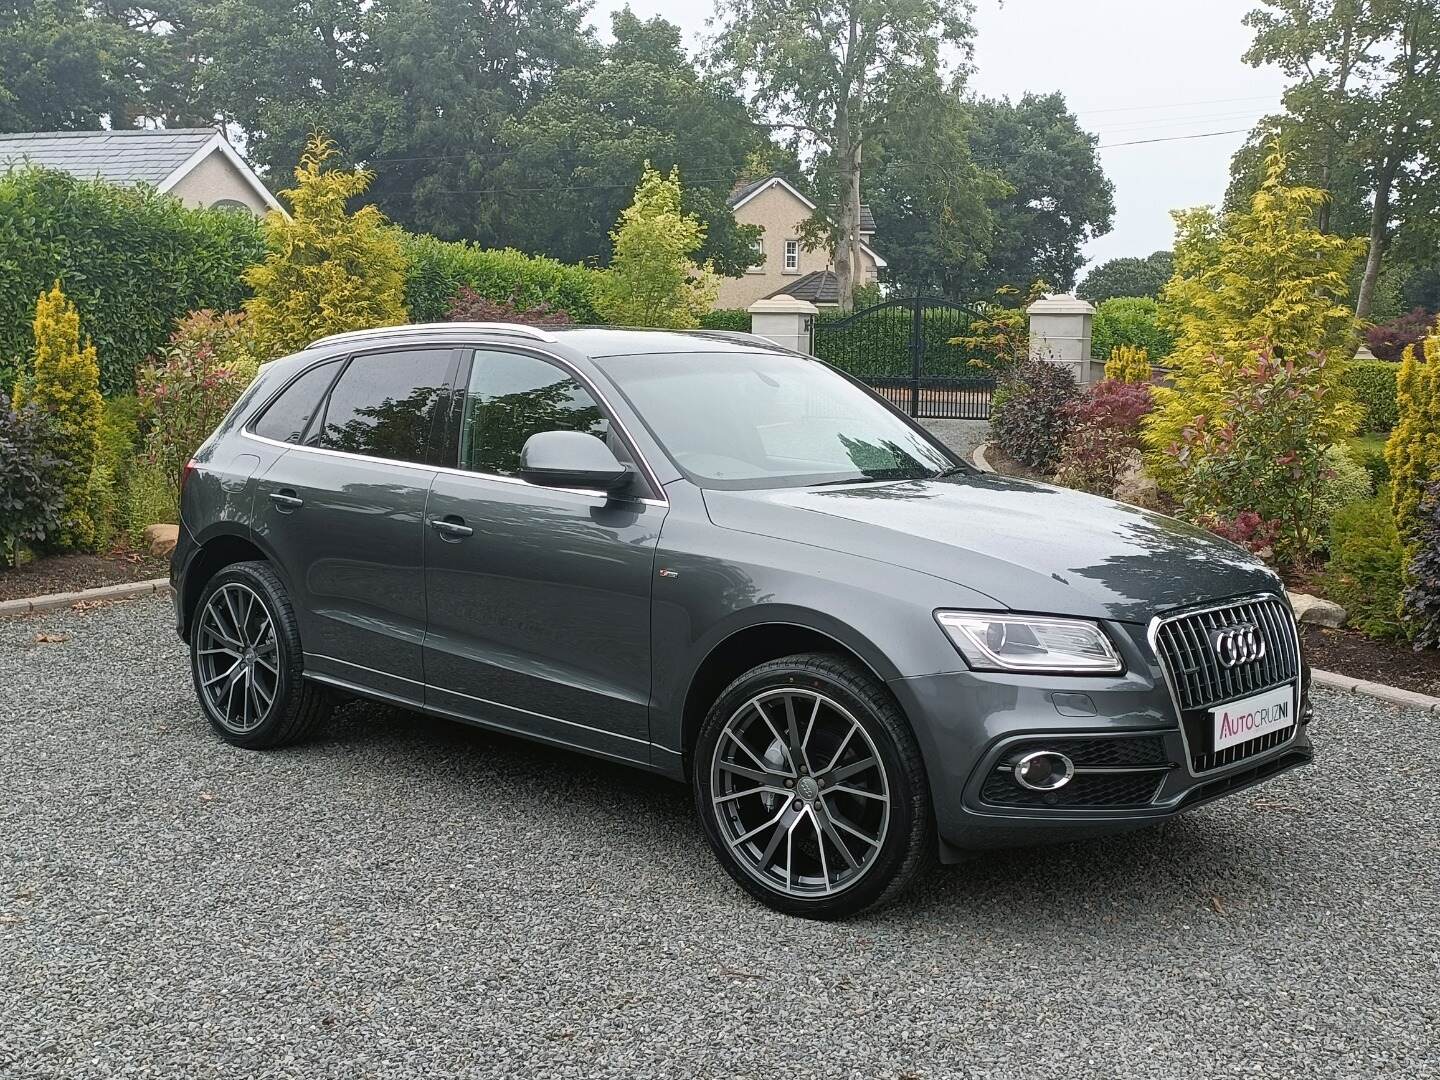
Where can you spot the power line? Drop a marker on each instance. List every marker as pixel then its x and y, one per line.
pixel 1174 138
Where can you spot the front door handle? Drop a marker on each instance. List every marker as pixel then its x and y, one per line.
pixel 286 500
pixel 451 527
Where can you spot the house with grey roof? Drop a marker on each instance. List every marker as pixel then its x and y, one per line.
pixel 774 204
pixel 196 165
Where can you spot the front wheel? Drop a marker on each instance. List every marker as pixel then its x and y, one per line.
pixel 810 787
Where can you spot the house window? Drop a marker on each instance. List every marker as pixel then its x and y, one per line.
pixel 792 254
pixel 758 267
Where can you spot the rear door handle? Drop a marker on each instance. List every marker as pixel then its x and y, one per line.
pixel 286 500
pixel 451 527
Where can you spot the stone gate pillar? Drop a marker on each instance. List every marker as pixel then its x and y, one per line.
pixel 788 322
pixel 1060 332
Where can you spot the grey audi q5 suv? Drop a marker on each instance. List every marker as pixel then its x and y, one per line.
pixel 706 556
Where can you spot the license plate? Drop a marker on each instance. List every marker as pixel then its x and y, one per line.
pixel 1249 718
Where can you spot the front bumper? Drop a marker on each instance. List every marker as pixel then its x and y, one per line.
pixel 970 725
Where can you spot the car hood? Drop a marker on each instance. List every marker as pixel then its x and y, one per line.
pixel 1032 547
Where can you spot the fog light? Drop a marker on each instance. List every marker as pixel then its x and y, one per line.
pixel 1044 770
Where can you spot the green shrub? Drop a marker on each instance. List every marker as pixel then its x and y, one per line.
pixel 150 499
pixel 436 269
pixel 726 319
pixel 1372 382
pixel 1132 321
pixel 1031 413
pixel 1370 457
pixel 109 479
pixel 132 261
pixel 31 495
pixel 1349 482
pixel 1364 570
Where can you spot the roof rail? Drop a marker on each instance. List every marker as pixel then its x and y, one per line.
pixel 519 329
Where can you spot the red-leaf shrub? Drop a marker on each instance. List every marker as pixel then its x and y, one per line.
pixel 1030 412
pixel 1248 529
pixel 1104 435
pixel 1389 340
pixel 469 306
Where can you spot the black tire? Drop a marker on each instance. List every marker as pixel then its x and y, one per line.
pixel 884 819
pixel 295 707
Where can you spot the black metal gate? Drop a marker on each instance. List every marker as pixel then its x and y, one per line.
pixel 912 350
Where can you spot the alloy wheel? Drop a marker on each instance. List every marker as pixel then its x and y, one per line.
pixel 237 658
pixel 800 793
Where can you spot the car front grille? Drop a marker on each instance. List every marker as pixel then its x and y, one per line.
pixel 1200 682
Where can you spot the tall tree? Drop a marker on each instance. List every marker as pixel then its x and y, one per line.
pixel 1128 276
pixel 929 197
pixel 418 91
pixel 64 66
pixel 1366 95
pixel 813 66
pixel 1060 196
pixel 573 160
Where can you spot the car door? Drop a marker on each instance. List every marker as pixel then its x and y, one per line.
pixel 539 598
pixel 343 512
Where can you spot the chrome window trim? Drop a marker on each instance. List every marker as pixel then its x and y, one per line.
pixel 1152 635
pixel 246 429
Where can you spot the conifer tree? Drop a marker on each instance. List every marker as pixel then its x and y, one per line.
pixel 63 382
pixel 326 270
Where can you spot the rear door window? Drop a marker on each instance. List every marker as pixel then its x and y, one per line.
pixel 289 414
pixel 387 405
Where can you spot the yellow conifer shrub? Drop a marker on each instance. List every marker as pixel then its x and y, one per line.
pixel 326 271
pixel 1413 449
pixel 64 382
pixel 1128 363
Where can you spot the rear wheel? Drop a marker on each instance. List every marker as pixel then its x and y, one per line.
pixel 246 661
pixel 810 787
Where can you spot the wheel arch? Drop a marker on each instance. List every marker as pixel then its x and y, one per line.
pixel 755 643
pixel 212 555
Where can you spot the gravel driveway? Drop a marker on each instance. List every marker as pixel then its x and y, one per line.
pixel 407 897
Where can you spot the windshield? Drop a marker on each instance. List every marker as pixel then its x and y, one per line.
pixel 751 420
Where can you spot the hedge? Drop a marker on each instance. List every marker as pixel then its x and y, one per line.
pixel 726 319
pixel 1130 320
pixel 1373 384
pixel 132 261
pixel 437 269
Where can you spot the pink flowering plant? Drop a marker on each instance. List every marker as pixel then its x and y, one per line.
pixel 186 391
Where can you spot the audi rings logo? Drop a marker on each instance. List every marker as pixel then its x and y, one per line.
pixel 1238 644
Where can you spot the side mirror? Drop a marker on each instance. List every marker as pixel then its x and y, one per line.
pixel 571 459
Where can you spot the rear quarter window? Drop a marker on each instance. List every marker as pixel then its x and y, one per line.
pixel 286 418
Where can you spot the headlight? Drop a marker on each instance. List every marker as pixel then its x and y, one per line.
pixel 992 642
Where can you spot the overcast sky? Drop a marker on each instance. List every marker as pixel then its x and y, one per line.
pixel 1132 70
